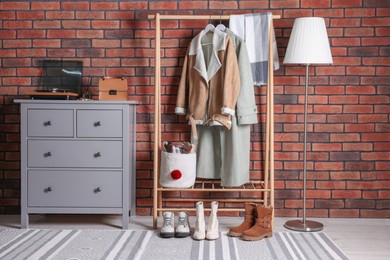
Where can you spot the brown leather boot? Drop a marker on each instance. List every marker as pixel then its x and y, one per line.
pixel 263 226
pixel 249 221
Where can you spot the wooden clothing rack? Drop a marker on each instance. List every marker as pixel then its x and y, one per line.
pixel 265 187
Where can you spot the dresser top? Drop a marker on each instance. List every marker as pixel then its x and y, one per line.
pixel 78 102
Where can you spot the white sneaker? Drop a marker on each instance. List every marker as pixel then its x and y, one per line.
pixel 168 229
pixel 183 227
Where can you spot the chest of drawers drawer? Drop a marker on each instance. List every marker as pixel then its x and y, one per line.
pixel 50 123
pixel 99 123
pixel 59 188
pixel 64 153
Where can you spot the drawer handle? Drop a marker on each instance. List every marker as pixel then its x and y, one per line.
pixel 97 190
pixel 48 189
pixel 97 155
pixel 98 123
pixel 48 154
pixel 47 123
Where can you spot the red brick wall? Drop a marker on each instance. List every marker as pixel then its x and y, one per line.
pixel 349 141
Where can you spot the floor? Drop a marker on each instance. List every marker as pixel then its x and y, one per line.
pixel 358 238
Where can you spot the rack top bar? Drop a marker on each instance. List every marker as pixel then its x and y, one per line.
pixel 197 17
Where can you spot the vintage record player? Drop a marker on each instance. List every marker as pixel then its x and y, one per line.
pixel 61 80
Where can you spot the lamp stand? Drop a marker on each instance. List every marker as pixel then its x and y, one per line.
pixel 304 225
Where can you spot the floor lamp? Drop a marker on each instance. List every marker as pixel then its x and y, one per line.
pixel 308 45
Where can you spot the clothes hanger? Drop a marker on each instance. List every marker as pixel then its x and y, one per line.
pixel 220 26
pixel 210 27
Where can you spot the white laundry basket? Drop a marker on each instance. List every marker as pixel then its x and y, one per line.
pixel 177 170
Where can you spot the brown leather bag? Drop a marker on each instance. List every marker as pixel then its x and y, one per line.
pixel 112 88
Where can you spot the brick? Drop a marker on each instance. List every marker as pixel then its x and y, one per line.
pixel 358 109
pixel 382 109
pixel 120 34
pixel 344 213
pixel 383 90
pixel 359 32
pixel 321 166
pixel 284 4
pixel 370 194
pixel 385 194
pixel 16 81
pixel 359 166
pixel 327 109
pixel 374 99
pixel 344 137
pixel 344 156
pixel 376 3
pixel 331 185
pixel 61 34
pixel 31 15
pixel 345 22
pixel 383 204
pixel 31 52
pixel 329 90
pixel 11 5
pixel 261 4
pixel 382 70
pixel 350 99
pixel 382 31
pixel 373 118
pixel 348 61
pixel 329 204
pixel 325 147
pixel 375 80
pixel 193 5
pixel 381 146
pixel 357 146
pixel 62 15
pixel 33 72
pixel 342 118
pixel 346 42
pixel 76 24
pixel 382 127
pixel 376 156
pixel 376 21
pixel 382 166
pixel 329 12
pixel 97 24
pixel 361 89
pixel 345 175
pixel 16 62
pixel 89 15
pixel 329 128
pixel 375 137
pixel 80 43
pixel 359 12
pixel 31 34
pixel 162 5
pixel 104 6
pixel 330 70
pixel 106 62
pixel 383 11
pixel 375 213
pixel 295 13
pixel 74 5
pixel 89 34
pixel 46 24
pixel 105 43
pixel 375 41
pixel 45 5
pixel 363 51
pixel 346 3
pixel 315 4
pixel 121 15
pixel 17 24
pixel 343 194
pixel 339 80
pixel 318 194
pixel 61 53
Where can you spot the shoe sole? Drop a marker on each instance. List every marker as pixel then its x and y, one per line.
pixel 167 235
pixel 248 238
pixel 182 235
pixel 234 234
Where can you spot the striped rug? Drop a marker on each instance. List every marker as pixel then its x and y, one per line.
pixel 129 244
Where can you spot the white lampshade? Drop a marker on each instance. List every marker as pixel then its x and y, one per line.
pixel 308 42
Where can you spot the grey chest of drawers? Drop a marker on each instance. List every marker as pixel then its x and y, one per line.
pixel 77 157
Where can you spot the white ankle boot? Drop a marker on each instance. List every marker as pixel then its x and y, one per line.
pixel 200 226
pixel 168 229
pixel 212 227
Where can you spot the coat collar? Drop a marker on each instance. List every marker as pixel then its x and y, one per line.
pixel 218 42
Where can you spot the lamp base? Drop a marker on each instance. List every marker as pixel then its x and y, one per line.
pixel 308 226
